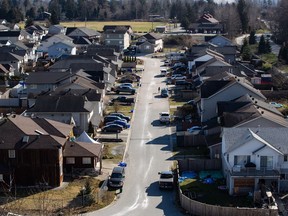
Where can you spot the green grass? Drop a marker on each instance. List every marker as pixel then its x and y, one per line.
pixel 173 102
pixel 98 25
pixel 270 58
pixel 284 68
pixel 126 110
pixel 210 194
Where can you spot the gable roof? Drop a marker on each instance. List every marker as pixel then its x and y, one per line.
pixel 82 149
pixel 88 32
pixel 9 33
pixel 38 133
pixel 62 104
pixel 152 36
pixel 7 56
pixel 275 138
pixel 90 94
pixel 47 77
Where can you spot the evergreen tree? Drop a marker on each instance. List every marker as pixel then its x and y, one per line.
pixel 243 14
pixel 4 9
pixel 245 43
pixel 31 13
pixel 252 37
pixel 246 54
pixel 262 45
pixel 268 48
pixel 29 22
pixel 70 9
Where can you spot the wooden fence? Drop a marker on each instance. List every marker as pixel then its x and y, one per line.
pixel 194 207
pixel 197 165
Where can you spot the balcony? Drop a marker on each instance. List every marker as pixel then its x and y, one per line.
pixel 253 172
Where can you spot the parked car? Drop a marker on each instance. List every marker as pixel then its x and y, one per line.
pixel 111 118
pixel 163 72
pixel 123 124
pixel 128 89
pixel 183 82
pixel 164 117
pixel 126 84
pixel 123 99
pixel 164 92
pixel 276 105
pixel 194 130
pixel 178 77
pixel 121 115
pixel 125 80
pixel 116 179
pixel 112 128
pixel 166 180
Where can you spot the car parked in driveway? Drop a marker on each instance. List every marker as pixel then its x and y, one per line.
pixel 164 117
pixel 112 128
pixel 112 118
pixel 123 124
pixel 121 115
pixel 123 99
pixel 127 89
pixel 194 130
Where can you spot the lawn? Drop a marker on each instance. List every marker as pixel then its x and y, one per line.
pixel 210 194
pixel 271 58
pixel 121 108
pixel 66 199
pixel 98 25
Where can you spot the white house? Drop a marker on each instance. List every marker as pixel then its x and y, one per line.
pixel 253 157
pixel 60 48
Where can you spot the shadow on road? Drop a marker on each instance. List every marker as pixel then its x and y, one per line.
pixel 158 76
pixel 157 123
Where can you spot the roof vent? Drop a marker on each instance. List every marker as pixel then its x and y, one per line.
pixel 262 112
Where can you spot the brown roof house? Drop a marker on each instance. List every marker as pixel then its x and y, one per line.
pixel 33 151
pixel 206 24
pixel 150 43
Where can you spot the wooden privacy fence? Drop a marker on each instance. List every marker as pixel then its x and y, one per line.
pixel 194 207
pixel 192 164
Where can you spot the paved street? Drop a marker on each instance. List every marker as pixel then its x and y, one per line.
pixel 148 152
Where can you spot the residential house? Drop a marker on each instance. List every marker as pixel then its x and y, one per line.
pixel 254 159
pixel 81 108
pixel 13 59
pixel 13 36
pixel 48 41
pixel 38 30
pixel 56 29
pixel 36 147
pixel 99 68
pixel 206 24
pixel 109 52
pixel 46 81
pixel 40 147
pixel 229 88
pixel 4 28
pixel 150 43
pixel 60 49
pixel 117 35
pixel 83 32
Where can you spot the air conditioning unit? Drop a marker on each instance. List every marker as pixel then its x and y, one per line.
pixel 237 168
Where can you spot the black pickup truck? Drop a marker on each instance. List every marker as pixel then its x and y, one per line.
pixel 123 99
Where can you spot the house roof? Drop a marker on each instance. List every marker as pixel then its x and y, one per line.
pixel 7 56
pixel 81 40
pixel 90 94
pixel 66 43
pixel 82 149
pixel 275 138
pixel 208 18
pixel 211 87
pixel 88 32
pixel 152 36
pixel 9 33
pixel 113 27
pixel 4 28
pixel 20 45
pixel 61 104
pixel 32 133
pixel 47 77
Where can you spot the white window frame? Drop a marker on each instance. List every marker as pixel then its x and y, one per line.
pixel 86 160
pixel 12 153
pixel 70 160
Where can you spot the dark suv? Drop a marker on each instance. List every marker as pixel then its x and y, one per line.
pixel 116 179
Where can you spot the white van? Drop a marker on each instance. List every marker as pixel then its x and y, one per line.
pixel 164 117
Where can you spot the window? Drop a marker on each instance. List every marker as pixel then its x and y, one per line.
pixel 120 36
pixel 147 47
pixel 285 158
pixel 266 162
pixel 120 42
pixel 1 177
pixel 70 160
pixel 11 153
pixel 227 158
pixel 107 36
pixel 86 160
pixel 61 168
pixel 108 41
pixel 241 159
pixel 33 86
